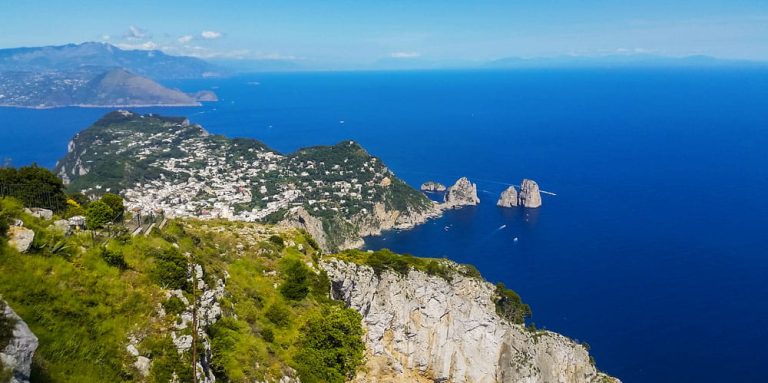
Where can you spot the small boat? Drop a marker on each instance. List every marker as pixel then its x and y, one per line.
pixel 515 239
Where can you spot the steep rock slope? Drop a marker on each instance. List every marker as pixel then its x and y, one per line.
pixel 422 327
pixel 16 355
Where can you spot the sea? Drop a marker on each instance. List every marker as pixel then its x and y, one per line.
pixel 652 247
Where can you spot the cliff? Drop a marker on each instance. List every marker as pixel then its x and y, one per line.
pixel 462 193
pixel 508 198
pixel 17 351
pixel 530 196
pixel 425 328
pixel 431 186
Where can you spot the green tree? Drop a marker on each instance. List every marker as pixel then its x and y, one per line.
pixel 115 202
pixel 34 186
pixel 510 306
pixel 296 284
pixel 98 215
pixel 330 347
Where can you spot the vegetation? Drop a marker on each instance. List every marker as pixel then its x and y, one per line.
pixel 296 284
pixel 331 346
pixel 510 306
pixel 402 264
pixel 98 215
pixel 34 186
pixel 6 327
pixel 115 203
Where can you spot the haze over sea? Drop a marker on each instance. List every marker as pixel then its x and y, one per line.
pixel 654 249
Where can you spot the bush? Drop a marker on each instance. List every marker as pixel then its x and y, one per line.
pixel 296 284
pixel 174 306
pixel 510 306
pixel 114 258
pixel 115 202
pixel 268 335
pixel 278 314
pixel 331 346
pixel 277 241
pixel 170 269
pixel 385 259
pixel 98 215
pixel 34 186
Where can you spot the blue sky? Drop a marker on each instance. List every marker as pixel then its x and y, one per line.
pixel 360 32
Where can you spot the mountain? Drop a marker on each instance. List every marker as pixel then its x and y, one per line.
pixel 114 88
pixel 337 193
pixel 98 57
pixel 620 60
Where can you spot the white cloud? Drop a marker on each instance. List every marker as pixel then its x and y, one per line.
pixel 185 39
pixel 135 33
pixel 404 55
pixel 106 37
pixel 210 35
pixel 145 46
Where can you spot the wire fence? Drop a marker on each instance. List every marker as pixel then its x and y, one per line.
pixel 33 197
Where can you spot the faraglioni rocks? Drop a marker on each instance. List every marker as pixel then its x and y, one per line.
pixel 424 328
pixel 529 194
pixel 432 186
pixel 16 355
pixel 462 193
pixel 508 198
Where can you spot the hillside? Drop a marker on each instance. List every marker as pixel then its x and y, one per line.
pixel 99 57
pixel 337 193
pixel 245 302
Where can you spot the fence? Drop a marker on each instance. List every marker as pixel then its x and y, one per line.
pixel 31 197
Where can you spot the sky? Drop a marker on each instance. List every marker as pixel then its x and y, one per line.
pixel 339 33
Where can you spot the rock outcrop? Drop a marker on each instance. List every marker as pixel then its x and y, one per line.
pixel 432 186
pixel 508 198
pixel 20 238
pixel 17 354
pixel 422 328
pixel 529 194
pixel 462 193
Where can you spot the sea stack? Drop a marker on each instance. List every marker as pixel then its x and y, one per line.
pixel 432 186
pixel 529 194
pixel 462 193
pixel 508 198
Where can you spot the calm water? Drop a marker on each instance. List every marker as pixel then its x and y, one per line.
pixel 654 249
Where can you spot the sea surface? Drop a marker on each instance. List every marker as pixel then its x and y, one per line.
pixel 654 249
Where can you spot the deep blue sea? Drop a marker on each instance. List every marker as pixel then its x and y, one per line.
pixel 655 248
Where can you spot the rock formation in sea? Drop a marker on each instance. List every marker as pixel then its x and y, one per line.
pixel 508 198
pixel 462 193
pixel 425 328
pixel 529 194
pixel 432 186
pixel 16 356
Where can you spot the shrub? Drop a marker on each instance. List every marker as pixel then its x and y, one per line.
pixel 330 347
pixel 174 306
pixel 98 215
pixel 115 202
pixel 114 258
pixel 268 335
pixel 278 314
pixel 34 186
pixel 385 259
pixel 510 306
pixel 296 284
pixel 277 241
pixel 170 269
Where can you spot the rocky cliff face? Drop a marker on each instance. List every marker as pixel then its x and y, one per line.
pixel 529 194
pixel 17 355
pixel 422 328
pixel 432 186
pixel 508 198
pixel 462 193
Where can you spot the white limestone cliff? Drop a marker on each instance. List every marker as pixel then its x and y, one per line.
pixel 530 195
pixel 422 328
pixel 508 198
pixel 462 193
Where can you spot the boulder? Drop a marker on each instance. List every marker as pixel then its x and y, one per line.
pixel 40 213
pixel 432 186
pixel 529 194
pixel 17 354
pixel 508 198
pixel 20 238
pixel 462 193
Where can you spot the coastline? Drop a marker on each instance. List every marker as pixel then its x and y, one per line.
pixel 94 106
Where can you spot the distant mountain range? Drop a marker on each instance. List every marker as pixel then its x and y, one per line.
pixel 96 74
